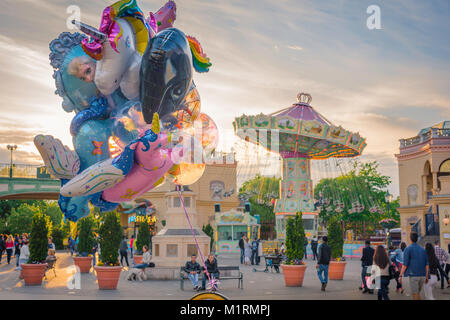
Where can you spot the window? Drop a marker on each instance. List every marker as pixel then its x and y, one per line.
pixel 445 166
pixel 239 231
pixel 224 233
pixel 191 249
pixel 172 250
pixel 187 202
pixel 308 224
pixel 176 202
pixel 156 250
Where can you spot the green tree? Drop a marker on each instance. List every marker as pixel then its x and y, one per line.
pixel 40 231
pixel 295 239
pixel 143 236
pixel 110 236
pixel 58 236
pixel 335 238
pixel 6 206
pixel 86 236
pixel 54 212
pixel 209 231
pixel 20 219
pixel 362 184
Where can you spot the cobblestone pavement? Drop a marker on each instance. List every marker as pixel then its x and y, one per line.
pixel 257 285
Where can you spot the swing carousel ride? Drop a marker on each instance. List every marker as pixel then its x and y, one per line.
pixel 300 134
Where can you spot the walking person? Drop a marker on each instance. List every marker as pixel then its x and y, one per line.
pixel 17 246
pixel 366 261
pixel 24 254
pixel 94 251
pixel 131 246
pixel 254 251
pixel 323 262
pixel 435 271
pixel 380 271
pixel 260 252
pixel 9 245
pixel 314 245
pixel 124 251
pixel 442 257
pixel 397 259
pixel 2 247
pixel 242 248
pixel 248 252
pixel 305 245
pixel 51 245
pixel 415 266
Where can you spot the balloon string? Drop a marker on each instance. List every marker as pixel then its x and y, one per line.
pixel 211 280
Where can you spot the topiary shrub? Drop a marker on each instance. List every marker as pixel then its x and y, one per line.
pixel 335 238
pixel 110 236
pixel 86 236
pixel 143 237
pixel 58 237
pixel 209 231
pixel 40 231
pixel 295 239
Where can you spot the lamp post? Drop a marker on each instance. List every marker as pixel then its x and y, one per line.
pixel 11 148
pixel 388 198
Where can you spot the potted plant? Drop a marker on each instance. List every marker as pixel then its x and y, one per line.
pixel 108 270
pixel 34 270
pixel 85 245
pixel 294 268
pixel 336 243
pixel 143 238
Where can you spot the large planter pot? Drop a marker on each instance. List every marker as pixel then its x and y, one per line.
pixel 293 275
pixel 108 277
pixel 336 270
pixel 138 259
pixel 83 263
pixel 33 273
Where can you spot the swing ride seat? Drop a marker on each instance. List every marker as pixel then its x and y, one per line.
pixel 223 270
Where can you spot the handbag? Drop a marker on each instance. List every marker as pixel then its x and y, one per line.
pixel 393 273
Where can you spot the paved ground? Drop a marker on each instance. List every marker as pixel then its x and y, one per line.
pixel 257 285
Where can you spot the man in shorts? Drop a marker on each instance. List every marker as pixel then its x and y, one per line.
pixel 415 265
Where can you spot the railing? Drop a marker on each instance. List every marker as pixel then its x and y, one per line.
pixel 432 133
pixel 24 171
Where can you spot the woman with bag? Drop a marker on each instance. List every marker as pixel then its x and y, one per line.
pixel 435 266
pixel 382 270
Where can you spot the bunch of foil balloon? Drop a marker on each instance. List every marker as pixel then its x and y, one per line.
pixel 138 120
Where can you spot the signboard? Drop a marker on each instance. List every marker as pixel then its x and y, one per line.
pixel 137 219
pixel 42 173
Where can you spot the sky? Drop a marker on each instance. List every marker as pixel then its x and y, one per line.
pixel 384 83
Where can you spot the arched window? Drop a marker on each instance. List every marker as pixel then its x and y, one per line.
pixel 445 167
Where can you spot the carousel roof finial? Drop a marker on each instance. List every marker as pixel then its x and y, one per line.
pixel 304 98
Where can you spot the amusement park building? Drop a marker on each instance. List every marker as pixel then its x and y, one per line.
pixel 216 186
pixel 424 181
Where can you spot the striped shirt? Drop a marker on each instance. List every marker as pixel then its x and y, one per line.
pixel 441 254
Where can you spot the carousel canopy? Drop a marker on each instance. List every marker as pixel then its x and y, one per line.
pixel 301 131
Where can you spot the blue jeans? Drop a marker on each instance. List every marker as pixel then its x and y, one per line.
pixel 254 257
pixel 323 268
pixel 193 278
pixel 242 255
pixel 141 266
pixel 93 258
pixel 363 278
pixel 215 275
pixel 17 259
pixel 384 288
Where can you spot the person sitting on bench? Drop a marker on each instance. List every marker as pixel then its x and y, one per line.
pixel 213 271
pixel 138 270
pixel 192 268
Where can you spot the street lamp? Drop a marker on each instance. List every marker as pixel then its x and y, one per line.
pixel 388 198
pixel 11 148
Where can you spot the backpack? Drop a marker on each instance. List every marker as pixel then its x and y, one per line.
pixel 255 245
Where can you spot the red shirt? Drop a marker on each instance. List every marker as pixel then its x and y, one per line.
pixel 9 244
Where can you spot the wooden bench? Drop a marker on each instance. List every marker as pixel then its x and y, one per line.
pixel 223 270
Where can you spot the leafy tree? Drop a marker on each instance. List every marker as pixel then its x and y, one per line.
pixel 54 212
pixel 295 239
pixel 6 206
pixel 362 184
pixel 335 238
pixel 210 233
pixel 40 231
pixel 143 236
pixel 86 236
pixel 20 219
pixel 111 234
pixel 58 236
